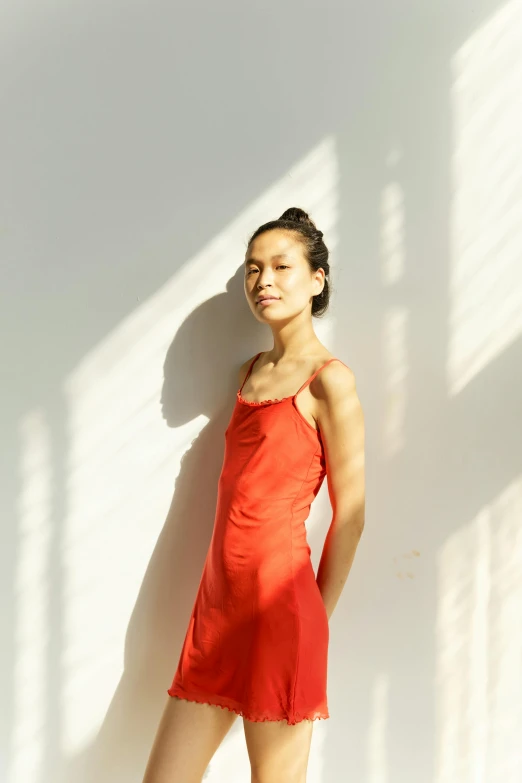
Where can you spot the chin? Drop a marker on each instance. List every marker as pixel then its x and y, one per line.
pixel 272 317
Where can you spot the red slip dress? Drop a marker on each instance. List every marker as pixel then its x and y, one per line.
pixel 257 638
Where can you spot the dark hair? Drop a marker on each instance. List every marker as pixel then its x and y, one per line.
pixel 297 220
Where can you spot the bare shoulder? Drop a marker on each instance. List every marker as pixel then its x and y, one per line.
pixel 244 369
pixel 334 380
pixel 335 389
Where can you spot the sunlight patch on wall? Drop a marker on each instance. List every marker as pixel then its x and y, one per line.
pixel 395 373
pixel 394 352
pixel 123 460
pixel 479 647
pixel 392 226
pixel 377 754
pixel 31 596
pixel 486 231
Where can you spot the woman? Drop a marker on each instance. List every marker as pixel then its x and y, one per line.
pixel 257 639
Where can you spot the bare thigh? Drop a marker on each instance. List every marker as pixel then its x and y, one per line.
pixel 278 751
pixel 188 735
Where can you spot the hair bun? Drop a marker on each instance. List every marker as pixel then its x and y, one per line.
pixel 298 215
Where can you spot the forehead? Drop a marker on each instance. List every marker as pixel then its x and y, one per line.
pixel 276 241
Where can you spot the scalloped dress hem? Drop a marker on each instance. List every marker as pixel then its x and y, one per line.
pixel 233 706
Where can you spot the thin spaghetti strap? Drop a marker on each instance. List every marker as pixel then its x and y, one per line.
pixel 310 379
pixel 254 360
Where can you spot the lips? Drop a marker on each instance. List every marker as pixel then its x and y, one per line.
pixel 267 298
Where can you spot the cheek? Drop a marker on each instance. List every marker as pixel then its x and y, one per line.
pixel 298 287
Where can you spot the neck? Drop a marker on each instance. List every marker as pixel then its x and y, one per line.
pixel 294 339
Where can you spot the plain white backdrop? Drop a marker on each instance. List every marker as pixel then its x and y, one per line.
pixel 141 144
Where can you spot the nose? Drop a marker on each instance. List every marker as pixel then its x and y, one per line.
pixel 261 280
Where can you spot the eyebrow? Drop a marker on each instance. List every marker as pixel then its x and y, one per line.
pixel 251 260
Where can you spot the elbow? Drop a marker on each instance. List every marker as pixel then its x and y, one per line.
pixel 349 510
pixel 354 521
pixel 358 525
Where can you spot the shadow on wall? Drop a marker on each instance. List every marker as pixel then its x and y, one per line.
pixel 197 378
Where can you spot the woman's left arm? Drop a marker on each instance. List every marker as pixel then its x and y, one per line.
pixel 341 423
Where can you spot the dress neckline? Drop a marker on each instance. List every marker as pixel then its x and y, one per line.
pixel 261 402
pixel 254 403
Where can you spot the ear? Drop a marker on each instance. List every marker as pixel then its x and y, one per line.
pixel 319 278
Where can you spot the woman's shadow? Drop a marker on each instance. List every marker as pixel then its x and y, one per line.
pixel 200 377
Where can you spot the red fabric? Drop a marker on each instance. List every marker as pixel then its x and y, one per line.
pixel 257 638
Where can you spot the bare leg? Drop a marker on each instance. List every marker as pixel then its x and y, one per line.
pixel 188 735
pixel 278 752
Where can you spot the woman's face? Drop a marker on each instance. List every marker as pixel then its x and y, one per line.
pixel 275 266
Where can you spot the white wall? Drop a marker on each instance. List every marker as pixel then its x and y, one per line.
pixel 141 144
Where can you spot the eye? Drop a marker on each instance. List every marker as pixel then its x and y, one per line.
pixel 280 266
